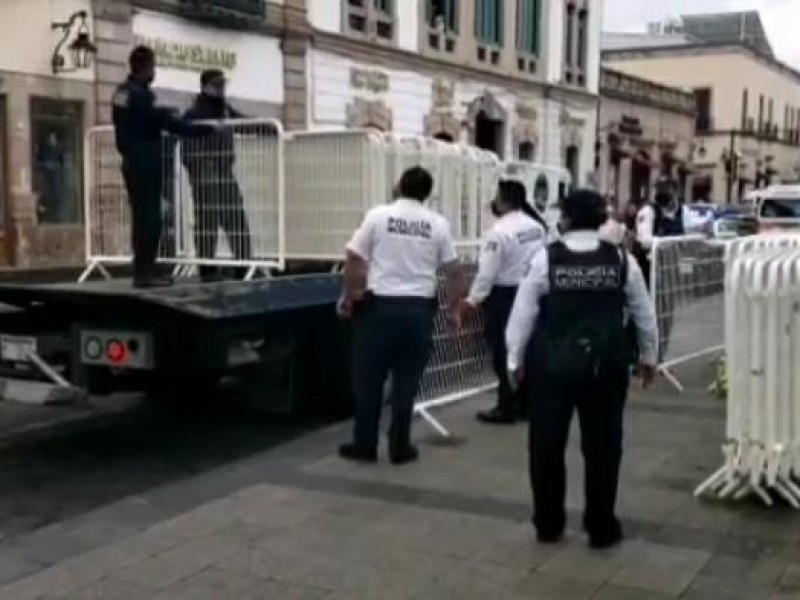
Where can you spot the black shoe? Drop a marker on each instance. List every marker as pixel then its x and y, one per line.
pixel 550 537
pixel 153 281
pixel 606 539
pixel 496 417
pixel 356 453
pixel 404 455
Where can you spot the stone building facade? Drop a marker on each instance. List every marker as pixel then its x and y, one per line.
pixel 519 77
pixel 645 131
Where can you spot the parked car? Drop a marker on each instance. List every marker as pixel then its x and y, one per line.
pixel 778 209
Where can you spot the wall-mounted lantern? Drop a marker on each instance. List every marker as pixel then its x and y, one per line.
pixel 80 50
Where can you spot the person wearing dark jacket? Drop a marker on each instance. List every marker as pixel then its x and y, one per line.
pixel 218 201
pixel 139 126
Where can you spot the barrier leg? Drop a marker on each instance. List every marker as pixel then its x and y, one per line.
pixel 423 412
pixel 670 376
pixel 712 482
pixel 251 271
pixel 91 267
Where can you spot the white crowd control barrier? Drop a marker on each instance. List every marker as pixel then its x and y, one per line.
pixel 223 199
pixel 687 283
pixel 334 177
pixel 460 365
pixel 762 450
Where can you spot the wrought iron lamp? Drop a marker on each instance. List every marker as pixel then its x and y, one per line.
pixel 81 49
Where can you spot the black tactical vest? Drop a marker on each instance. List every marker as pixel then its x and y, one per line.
pixel 580 333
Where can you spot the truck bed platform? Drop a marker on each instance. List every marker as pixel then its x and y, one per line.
pixel 189 298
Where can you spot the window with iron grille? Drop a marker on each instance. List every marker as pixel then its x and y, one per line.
pixel 489 22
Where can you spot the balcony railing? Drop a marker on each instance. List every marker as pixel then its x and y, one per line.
pixel 247 9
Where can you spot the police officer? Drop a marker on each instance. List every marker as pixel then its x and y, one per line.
pixel 507 249
pixel 666 217
pixel 218 201
pixel 138 127
pixel 572 307
pixel 391 287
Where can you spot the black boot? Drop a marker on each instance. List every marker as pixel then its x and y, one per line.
pixel 356 453
pixel 497 417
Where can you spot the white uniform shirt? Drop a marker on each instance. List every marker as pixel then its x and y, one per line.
pixel 646 222
pixel 507 250
pixel 536 284
pixel 404 243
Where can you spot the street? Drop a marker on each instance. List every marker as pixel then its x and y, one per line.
pixel 56 463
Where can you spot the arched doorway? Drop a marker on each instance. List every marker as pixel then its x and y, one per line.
pixel 487 120
pixel 571 162
pixel 640 177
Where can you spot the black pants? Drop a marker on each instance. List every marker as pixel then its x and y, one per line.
pixel 393 335
pixel 600 404
pixel 218 203
pixel 497 309
pixel 143 180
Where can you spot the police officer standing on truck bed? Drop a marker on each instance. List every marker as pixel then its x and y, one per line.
pixel 390 287
pixel 510 244
pixel 138 127
pixel 572 306
pixel 218 201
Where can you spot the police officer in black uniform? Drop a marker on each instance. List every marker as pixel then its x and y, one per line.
pixel 391 288
pixel 218 201
pixel 138 127
pixel 572 307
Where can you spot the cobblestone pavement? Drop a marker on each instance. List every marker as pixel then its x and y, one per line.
pixel 296 523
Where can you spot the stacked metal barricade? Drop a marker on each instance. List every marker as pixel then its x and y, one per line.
pixel 762 341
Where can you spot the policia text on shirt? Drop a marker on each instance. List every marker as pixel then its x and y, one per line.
pixel 390 292
pixel 567 333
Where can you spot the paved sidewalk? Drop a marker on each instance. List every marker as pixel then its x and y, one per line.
pixel 296 523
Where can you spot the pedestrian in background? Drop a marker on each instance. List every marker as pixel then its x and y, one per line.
pixel 218 201
pixel 139 126
pixel 390 288
pixel 507 249
pixel 567 334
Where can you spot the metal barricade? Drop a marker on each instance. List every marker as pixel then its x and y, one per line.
pixel 687 280
pixel 334 177
pixel 460 365
pixel 223 200
pixel 762 449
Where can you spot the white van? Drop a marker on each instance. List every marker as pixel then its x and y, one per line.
pixel 778 208
pixel 545 186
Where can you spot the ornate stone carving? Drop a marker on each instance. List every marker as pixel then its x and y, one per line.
pixel 571 130
pixel 363 113
pixel 442 123
pixel 371 80
pixel 443 94
pixel 488 105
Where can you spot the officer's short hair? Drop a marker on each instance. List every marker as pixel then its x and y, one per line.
pixel 585 210
pixel 141 58
pixel 415 183
pixel 210 75
pixel 512 193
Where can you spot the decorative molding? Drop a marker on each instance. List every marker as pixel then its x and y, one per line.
pixel 488 105
pixel 371 80
pixel 443 94
pixel 363 114
pixel 442 123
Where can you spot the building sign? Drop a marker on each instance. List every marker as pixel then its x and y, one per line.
pixel 371 80
pixel 252 63
pixel 188 57
pixel 631 126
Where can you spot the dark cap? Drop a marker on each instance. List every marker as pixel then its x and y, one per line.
pixel 210 75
